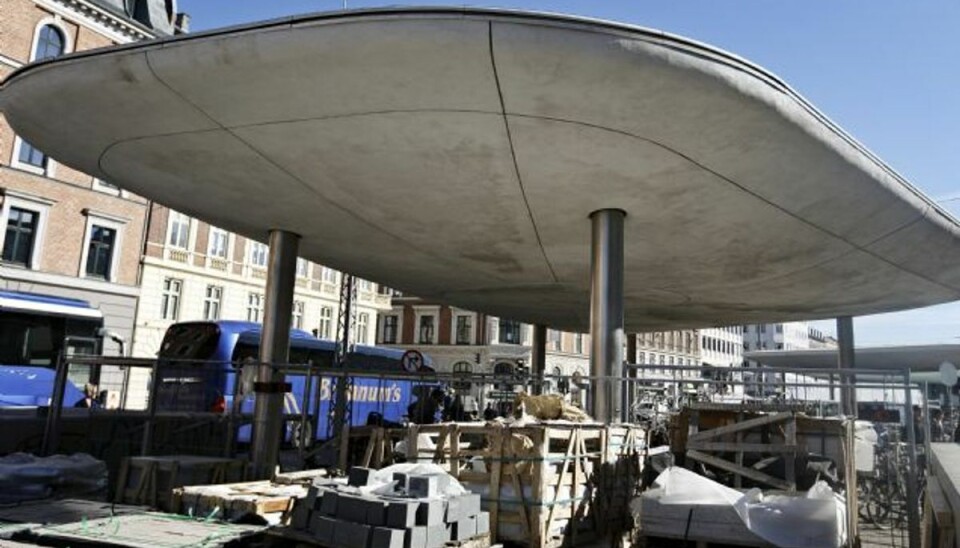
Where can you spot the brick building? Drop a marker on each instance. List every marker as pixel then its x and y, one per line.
pixel 67 233
pixel 194 271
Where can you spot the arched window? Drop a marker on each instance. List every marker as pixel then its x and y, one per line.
pixel 50 43
pixel 503 368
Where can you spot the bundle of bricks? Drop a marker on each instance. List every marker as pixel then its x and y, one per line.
pixel 416 514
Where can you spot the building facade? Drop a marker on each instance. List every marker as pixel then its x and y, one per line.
pixel 67 233
pixel 776 336
pixel 195 271
pixel 668 348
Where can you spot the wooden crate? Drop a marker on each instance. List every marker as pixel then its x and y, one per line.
pixel 150 480
pixel 544 484
pixel 272 501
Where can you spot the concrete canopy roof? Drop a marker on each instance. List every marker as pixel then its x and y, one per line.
pixel 918 358
pixel 456 154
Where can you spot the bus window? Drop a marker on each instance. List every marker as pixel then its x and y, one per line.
pixel 190 341
pixel 25 342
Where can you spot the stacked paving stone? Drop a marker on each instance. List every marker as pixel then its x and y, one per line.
pixel 415 515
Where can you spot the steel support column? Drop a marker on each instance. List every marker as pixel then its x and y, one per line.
pixel 913 475
pixel 538 357
pixel 848 393
pixel 274 349
pixel 606 312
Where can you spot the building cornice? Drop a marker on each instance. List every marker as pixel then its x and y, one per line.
pixel 72 282
pixel 97 19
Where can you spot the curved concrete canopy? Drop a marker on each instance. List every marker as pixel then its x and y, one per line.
pixel 919 358
pixel 457 153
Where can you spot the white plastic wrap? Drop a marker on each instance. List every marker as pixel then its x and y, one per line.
pixel 815 520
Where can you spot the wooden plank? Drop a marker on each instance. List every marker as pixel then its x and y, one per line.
pixel 790 461
pixel 733 447
pixel 563 472
pixel 455 450
pixel 497 452
pixel 739 426
pixel 755 475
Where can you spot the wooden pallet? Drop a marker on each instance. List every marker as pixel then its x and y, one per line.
pixel 230 501
pixel 723 438
pixel 545 484
pixel 150 480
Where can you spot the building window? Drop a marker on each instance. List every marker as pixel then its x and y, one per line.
pixel 105 187
pixel 363 323
pixel 18 244
pixel 303 268
pixel 509 332
pixel 364 285
pixel 50 43
pixel 578 343
pixel 326 322
pixel 254 307
pixel 642 359
pixel 426 330
pixel 170 299
pixel 212 301
pixel 219 241
pixel 30 155
pixel 553 337
pixel 258 254
pixel 464 330
pixel 179 230
pixel 296 319
pixel 329 275
pixel 100 251
pixel 390 324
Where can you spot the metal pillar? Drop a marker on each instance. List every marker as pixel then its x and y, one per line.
pixel 629 388
pixel 848 392
pixel 606 311
pixel 274 349
pixel 538 357
pixel 913 501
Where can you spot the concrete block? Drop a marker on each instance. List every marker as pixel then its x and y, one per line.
pixel 352 508
pixel 430 512
pixel 463 529
pixel 483 523
pixel 347 534
pixel 415 537
pixel 358 476
pixel 402 514
pixel 328 504
pixel 301 515
pixel 423 486
pixel 322 528
pixel 383 537
pixel 437 535
pixel 311 499
pixel 376 512
pixel 462 506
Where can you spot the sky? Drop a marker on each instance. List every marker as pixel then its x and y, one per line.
pixel 887 72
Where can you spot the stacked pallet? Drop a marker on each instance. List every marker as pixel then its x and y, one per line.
pixel 544 484
pixel 413 512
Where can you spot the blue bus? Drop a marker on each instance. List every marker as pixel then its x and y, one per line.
pixel 198 363
pixel 35 330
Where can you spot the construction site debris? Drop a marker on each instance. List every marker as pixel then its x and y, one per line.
pixel 26 477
